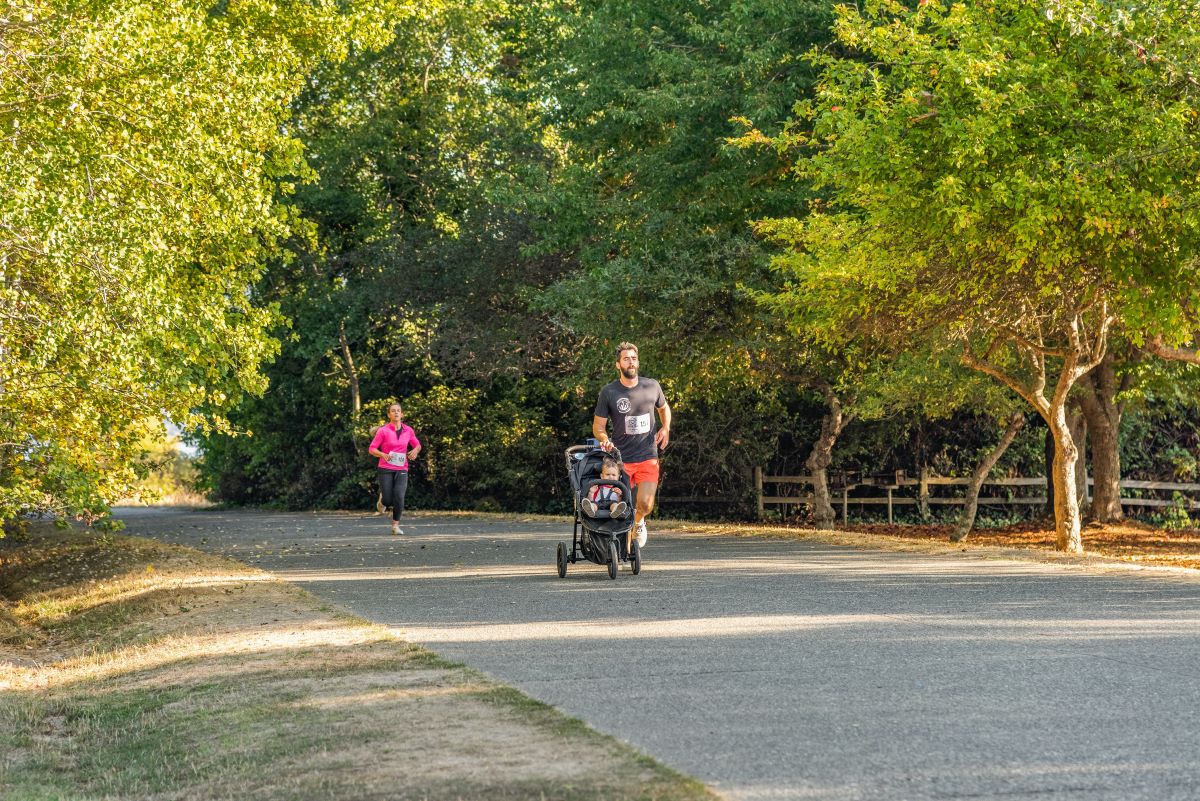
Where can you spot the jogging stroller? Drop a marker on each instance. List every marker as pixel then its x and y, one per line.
pixel 599 538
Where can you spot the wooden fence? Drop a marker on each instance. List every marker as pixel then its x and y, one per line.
pixel 892 482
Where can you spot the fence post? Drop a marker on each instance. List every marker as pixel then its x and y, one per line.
pixel 758 489
pixel 889 506
pixel 923 493
pixel 845 504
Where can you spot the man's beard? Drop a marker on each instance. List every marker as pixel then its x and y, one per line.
pixel 629 372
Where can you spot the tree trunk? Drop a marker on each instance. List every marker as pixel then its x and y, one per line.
pixel 966 520
pixel 1068 534
pixel 357 438
pixel 823 513
pixel 351 373
pixel 1086 337
pixel 1106 472
pixel 832 424
pixel 923 493
pixel 1048 455
pixel 1078 426
pixel 1098 400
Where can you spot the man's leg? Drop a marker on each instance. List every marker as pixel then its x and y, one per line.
pixel 644 478
pixel 645 494
pixel 646 491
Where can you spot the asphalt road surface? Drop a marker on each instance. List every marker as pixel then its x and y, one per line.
pixel 785 670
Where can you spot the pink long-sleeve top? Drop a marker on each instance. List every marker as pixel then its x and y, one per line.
pixel 395 445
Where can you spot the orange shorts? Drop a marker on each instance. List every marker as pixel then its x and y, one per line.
pixel 642 471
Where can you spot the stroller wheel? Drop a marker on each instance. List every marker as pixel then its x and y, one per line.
pixel 635 557
pixel 562 560
pixel 613 559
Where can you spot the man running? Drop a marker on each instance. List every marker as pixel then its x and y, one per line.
pixel 630 402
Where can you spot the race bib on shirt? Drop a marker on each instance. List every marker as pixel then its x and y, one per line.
pixel 397 458
pixel 637 424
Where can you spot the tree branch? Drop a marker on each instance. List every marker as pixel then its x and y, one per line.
pixel 1035 398
pixel 1161 349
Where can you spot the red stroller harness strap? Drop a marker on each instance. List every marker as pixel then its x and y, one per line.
pixel 605 493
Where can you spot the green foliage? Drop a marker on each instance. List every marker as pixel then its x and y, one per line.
pixel 463 205
pixel 997 169
pixel 483 451
pixel 17 530
pixel 1161 440
pixel 718 442
pixel 410 281
pixel 1006 180
pixel 408 251
pixel 109 525
pixel 1176 517
pixel 652 200
pixel 143 157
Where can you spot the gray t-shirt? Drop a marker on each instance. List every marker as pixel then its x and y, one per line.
pixel 631 411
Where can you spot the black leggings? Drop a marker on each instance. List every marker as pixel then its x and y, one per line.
pixel 393 484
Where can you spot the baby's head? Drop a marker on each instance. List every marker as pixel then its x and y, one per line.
pixel 609 470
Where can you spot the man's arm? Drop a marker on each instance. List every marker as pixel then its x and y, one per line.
pixel 663 437
pixel 600 431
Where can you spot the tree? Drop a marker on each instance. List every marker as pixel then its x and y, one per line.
pixel 966 520
pixel 143 158
pixel 651 199
pixel 410 279
pixel 930 383
pixel 1102 398
pixel 1010 177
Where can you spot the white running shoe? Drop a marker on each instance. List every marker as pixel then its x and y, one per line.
pixel 642 534
pixel 396 527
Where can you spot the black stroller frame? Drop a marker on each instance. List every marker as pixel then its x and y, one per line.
pixel 599 538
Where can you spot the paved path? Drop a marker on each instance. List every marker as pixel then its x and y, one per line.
pixel 786 670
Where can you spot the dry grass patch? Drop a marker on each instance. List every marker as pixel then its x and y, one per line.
pixel 133 669
pixel 1130 542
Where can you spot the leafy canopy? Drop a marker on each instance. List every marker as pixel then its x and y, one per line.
pixel 652 200
pixel 143 154
pixel 996 168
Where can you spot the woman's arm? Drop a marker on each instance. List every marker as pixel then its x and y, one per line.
pixel 376 441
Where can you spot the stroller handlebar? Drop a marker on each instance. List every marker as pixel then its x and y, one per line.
pixel 576 451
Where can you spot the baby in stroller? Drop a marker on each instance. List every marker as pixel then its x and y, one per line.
pixel 603 511
pixel 606 496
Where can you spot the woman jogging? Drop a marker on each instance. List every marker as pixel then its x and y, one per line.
pixel 395 444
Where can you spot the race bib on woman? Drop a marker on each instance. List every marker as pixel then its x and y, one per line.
pixel 397 458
